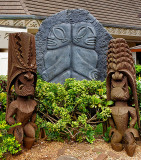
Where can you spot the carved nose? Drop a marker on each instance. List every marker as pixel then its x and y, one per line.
pixel 28 76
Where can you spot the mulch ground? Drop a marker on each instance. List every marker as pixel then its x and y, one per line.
pixel 99 150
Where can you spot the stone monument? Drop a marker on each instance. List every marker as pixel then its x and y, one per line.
pixel 121 76
pixel 22 74
pixel 71 44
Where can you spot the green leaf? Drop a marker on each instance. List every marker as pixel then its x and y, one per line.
pixel 109 103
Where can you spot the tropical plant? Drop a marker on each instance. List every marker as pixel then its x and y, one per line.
pixel 139 92
pixel 138 70
pixel 3 83
pixel 71 110
pixel 7 141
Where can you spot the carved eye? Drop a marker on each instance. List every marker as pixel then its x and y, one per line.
pixel 20 84
pixel 59 33
pixel 81 32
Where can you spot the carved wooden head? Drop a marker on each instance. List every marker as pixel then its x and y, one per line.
pixel 21 64
pixel 21 56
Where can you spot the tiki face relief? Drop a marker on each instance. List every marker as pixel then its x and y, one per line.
pixel 71 44
pixel 24 85
pixel 70 51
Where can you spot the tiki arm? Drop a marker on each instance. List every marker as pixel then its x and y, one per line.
pixel 113 129
pixel 111 122
pixel 11 111
pixel 133 115
pixel 33 118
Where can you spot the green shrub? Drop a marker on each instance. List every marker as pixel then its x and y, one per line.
pixel 7 141
pixel 106 136
pixel 3 94
pixel 3 100
pixel 138 70
pixel 3 83
pixel 139 92
pixel 71 110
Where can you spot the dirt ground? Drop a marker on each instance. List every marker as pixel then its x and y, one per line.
pixel 99 150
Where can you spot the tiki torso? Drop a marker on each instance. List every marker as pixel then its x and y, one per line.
pixel 121 117
pixel 24 110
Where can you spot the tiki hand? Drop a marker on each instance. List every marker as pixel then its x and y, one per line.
pixel 112 131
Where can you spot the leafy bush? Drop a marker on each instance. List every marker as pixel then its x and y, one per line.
pixel 139 92
pixel 3 100
pixel 71 110
pixel 3 83
pixel 106 136
pixel 3 94
pixel 7 141
pixel 138 70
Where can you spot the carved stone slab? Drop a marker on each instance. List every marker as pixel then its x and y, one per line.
pixel 71 44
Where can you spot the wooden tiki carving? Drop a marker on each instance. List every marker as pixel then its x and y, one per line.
pixel 22 74
pixel 120 77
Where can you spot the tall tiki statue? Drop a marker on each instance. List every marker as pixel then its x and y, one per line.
pixel 22 74
pixel 121 77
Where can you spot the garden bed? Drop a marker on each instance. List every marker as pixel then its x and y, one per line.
pixel 44 150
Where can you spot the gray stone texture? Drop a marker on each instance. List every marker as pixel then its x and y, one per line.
pixel 71 44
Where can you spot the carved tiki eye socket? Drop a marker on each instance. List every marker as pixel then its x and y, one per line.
pixel 56 34
pixel 60 34
pixel 20 84
pixel 87 35
pixel 80 34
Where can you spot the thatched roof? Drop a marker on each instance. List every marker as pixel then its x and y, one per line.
pixel 113 12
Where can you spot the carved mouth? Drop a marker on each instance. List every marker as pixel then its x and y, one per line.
pixel 90 41
pixel 27 91
pixel 119 94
